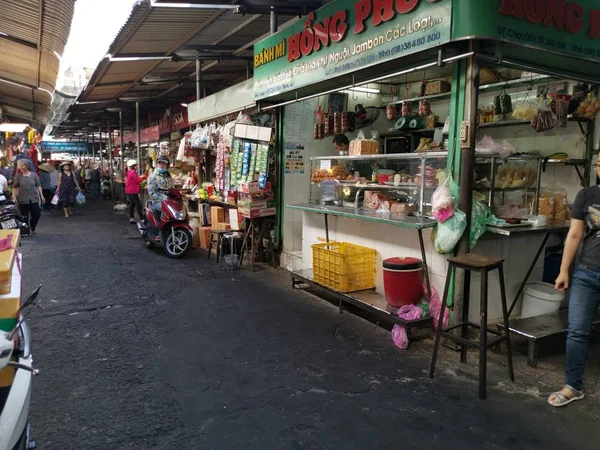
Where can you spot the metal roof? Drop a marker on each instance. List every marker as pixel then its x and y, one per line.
pixel 163 32
pixel 33 34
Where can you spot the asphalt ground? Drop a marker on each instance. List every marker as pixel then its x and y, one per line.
pixel 138 351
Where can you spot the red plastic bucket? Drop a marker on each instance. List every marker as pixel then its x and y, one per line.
pixel 402 281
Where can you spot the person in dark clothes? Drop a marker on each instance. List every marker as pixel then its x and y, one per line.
pixel 47 190
pixel 582 247
pixel 67 188
pixel 27 193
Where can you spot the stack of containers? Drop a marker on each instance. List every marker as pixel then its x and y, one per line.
pixel 10 291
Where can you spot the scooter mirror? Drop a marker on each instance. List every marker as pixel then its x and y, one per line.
pixel 6 349
pixel 31 302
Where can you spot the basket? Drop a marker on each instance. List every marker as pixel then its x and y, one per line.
pixel 344 267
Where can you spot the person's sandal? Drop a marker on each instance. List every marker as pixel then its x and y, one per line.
pixel 561 399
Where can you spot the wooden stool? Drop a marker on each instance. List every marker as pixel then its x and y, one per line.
pixel 482 264
pixel 215 238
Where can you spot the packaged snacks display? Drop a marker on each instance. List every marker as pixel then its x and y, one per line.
pixel 553 204
pixel 545 120
pixel 515 175
pixel 335 173
pixel 589 107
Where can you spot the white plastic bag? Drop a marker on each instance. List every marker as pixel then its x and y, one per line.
pixel 447 234
pixel 55 199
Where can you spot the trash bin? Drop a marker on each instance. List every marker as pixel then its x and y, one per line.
pixel 402 281
pixel 540 298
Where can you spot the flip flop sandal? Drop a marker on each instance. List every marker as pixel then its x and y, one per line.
pixel 563 400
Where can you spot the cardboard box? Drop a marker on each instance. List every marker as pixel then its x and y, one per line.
pixel 217 214
pixel 258 204
pixel 253 187
pixel 204 236
pixel 437 87
pixel 256 213
pixel 222 226
pixel 11 302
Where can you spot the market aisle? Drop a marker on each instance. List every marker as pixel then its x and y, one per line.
pixel 141 352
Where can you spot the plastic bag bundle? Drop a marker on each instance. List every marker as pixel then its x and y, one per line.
pixel 442 201
pixel 399 337
pixel 435 308
pixel 480 218
pixel 80 199
pixel 448 234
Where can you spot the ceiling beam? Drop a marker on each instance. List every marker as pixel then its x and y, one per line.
pixel 248 45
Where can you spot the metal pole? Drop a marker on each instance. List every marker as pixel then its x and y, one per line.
pixel 467 152
pixel 93 143
pixel 122 152
pixel 198 77
pixel 137 135
pixel 100 146
pixel 110 168
pixel 273 20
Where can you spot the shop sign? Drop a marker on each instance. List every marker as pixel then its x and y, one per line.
pixel 560 26
pixel 147 135
pixel 72 146
pixel 345 36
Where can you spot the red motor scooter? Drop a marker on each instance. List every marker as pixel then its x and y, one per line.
pixel 168 227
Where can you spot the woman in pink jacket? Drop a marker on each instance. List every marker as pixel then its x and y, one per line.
pixel 133 189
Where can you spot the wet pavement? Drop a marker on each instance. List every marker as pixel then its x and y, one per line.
pixel 138 351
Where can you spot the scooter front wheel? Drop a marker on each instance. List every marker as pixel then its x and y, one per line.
pixel 177 242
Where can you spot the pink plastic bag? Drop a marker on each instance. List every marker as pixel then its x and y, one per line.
pixel 435 307
pixel 410 312
pixel 399 337
pixel 442 201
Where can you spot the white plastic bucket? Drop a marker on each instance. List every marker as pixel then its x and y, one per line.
pixel 540 298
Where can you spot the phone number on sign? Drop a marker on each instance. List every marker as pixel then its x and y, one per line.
pixel 384 54
pixel 540 40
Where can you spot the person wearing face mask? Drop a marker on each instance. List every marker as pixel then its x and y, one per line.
pixel 159 182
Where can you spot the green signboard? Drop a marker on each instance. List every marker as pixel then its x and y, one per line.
pixel 345 36
pixel 567 27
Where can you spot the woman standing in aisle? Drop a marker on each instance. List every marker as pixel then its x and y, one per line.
pixel 67 185
pixel 133 189
pixel 584 296
pixel 27 193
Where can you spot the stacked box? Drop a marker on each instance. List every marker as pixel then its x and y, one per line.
pixel 217 215
pixel 257 213
pixel 204 236
pixel 9 309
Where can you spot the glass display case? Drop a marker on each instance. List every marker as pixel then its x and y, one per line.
pixel 403 184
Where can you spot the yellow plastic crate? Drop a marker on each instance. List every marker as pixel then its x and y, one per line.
pixel 344 267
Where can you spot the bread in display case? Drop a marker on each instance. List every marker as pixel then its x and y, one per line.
pixel 403 184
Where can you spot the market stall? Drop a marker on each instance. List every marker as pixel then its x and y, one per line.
pixel 461 117
pixel 236 147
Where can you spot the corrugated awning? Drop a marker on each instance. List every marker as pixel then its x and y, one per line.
pixel 153 58
pixel 33 34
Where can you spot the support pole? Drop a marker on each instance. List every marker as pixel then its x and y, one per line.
pixel 198 77
pixel 467 153
pixel 93 143
pixel 100 146
pixel 110 163
pixel 122 153
pixel 273 20
pixel 137 136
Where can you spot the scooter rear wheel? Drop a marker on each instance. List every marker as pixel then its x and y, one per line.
pixel 177 242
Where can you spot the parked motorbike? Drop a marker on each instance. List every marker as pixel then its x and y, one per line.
pixel 168 227
pixel 10 216
pixel 15 351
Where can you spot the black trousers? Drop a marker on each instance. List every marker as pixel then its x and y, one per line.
pixel 48 194
pixel 135 204
pixel 31 212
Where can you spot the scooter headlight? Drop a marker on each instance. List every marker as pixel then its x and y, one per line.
pixel 180 215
